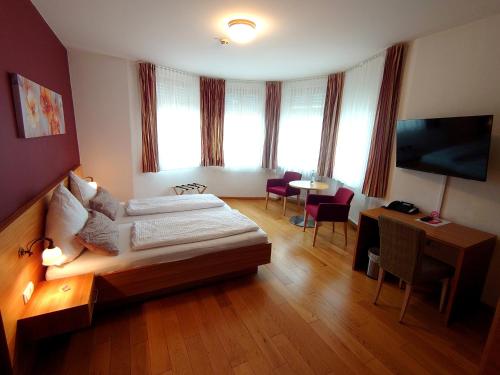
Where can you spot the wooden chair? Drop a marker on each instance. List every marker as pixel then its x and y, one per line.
pixel 402 254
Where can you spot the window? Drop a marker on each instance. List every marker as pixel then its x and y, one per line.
pixel 178 113
pixel 357 117
pixel 244 124
pixel 301 120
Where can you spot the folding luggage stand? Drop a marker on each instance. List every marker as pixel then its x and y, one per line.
pixel 181 189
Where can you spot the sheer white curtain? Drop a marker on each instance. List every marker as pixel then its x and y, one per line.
pixel 178 111
pixel 244 124
pixel 301 119
pixel 357 117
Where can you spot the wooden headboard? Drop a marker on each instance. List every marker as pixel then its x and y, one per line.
pixel 26 224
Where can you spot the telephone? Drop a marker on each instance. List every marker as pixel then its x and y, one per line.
pixel 404 207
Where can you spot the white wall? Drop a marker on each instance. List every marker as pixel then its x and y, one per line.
pixel 455 73
pixel 101 102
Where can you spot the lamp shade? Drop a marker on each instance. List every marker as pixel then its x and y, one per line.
pixel 242 30
pixel 93 184
pixel 52 256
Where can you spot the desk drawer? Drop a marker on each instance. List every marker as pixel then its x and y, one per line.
pixel 444 253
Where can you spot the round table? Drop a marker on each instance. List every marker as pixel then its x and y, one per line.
pixel 307 186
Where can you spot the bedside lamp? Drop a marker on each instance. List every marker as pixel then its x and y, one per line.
pixel 51 256
pixel 91 181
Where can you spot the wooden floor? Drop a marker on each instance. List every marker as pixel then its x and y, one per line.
pixel 305 313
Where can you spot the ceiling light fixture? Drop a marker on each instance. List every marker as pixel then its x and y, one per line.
pixel 242 30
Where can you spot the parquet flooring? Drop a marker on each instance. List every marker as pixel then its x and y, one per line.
pixel 306 312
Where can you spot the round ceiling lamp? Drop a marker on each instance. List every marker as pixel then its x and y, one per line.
pixel 242 30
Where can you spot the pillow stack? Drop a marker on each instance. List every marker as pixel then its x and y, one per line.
pixel 82 218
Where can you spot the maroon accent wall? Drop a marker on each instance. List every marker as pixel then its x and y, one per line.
pixel 29 47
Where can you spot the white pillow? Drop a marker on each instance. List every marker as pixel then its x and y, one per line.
pixel 65 218
pixel 81 189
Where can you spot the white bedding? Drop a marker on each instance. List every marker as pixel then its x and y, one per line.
pixel 128 258
pixel 198 226
pixel 172 203
pixel 122 216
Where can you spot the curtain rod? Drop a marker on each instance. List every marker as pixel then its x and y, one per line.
pixel 377 55
pixel 381 53
pixel 200 75
pixel 177 70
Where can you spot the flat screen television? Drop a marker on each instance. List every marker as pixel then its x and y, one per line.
pixel 451 146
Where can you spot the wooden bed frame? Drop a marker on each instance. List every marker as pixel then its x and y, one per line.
pixel 113 288
pixel 143 282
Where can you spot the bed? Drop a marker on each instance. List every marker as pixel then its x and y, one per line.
pixel 136 274
pixel 137 280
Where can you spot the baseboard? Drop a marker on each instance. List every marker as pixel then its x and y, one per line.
pixel 244 198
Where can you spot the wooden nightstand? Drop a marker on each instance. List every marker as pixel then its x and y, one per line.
pixel 59 306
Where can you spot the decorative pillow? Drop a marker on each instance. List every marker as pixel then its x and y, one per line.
pixel 65 218
pixel 99 235
pixel 105 203
pixel 81 189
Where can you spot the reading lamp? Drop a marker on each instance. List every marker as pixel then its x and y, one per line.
pixel 51 256
pixel 91 181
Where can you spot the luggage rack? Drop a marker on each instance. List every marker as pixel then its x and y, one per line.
pixel 181 189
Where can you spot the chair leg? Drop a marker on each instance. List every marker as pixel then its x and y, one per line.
pixel 444 291
pixel 345 233
pixel 284 206
pixel 306 217
pixel 381 275
pixel 267 199
pixel 400 283
pixel 333 226
pixel 405 302
pixel 316 227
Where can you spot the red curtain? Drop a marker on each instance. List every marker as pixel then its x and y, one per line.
pixel 272 119
pixel 147 81
pixel 330 128
pixel 212 96
pixel 379 160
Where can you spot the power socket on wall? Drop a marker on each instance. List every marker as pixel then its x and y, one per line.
pixel 28 292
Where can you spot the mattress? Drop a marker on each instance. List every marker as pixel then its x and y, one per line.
pixel 127 258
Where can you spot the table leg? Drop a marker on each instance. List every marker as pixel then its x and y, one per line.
pixel 299 220
pixel 305 202
pixel 468 281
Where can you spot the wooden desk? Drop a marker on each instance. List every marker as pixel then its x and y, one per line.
pixel 468 250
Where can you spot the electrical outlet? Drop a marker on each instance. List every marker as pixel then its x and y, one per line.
pixel 28 292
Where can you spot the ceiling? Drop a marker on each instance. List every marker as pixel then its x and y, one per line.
pixel 296 38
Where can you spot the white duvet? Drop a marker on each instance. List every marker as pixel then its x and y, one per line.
pixel 172 203
pixel 199 226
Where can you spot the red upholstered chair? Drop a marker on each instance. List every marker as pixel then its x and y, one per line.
pixel 333 208
pixel 279 186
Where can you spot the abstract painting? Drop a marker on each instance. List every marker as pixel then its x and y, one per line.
pixel 39 110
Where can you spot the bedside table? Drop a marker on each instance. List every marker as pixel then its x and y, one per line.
pixel 59 306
